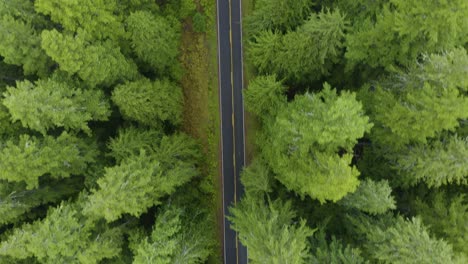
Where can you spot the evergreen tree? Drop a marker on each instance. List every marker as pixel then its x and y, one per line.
pixel 64 236
pixel 446 217
pixel 405 241
pixel 304 142
pixel 371 197
pixel 277 15
pixel 302 55
pixel 414 106
pixel 95 17
pixel 21 45
pixel 51 103
pixel 140 181
pixel 154 40
pixel 29 157
pixel 405 29
pixel 269 232
pixel 438 163
pixel 150 103
pixel 334 252
pixel 265 96
pixel 175 239
pixel 96 63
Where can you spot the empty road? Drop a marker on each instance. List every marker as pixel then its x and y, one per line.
pixel 232 119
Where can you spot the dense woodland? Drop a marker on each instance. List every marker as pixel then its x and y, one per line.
pixel 94 167
pixel 362 146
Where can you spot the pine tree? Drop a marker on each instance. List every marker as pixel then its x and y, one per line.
pixel 64 236
pixel 303 144
pixel 154 40
pixel 140 181
pixel 50 103
pixel 269 232
pixel 446 217
pixel 96 63
pixel 29 157
pixel 371 197
pixel 96 17
pixel 412 106
pixel 265 96
pixel 150 103
pixel 277 15
pixel 405 29
pixel 436 164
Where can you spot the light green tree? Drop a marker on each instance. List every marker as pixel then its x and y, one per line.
pixel 303 144
pixel 265 96
pixel 29 157
pixel 96 63
pixel 48 104
pixel 64 236
pixel 302 55
pixel 371 197
pixel 154 40
pixel 95 17
pixel 140 181
pixel 281 15
pixel 150 102
pixel 404 30
pixel 270 232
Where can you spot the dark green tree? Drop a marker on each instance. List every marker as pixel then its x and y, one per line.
pixel 150 103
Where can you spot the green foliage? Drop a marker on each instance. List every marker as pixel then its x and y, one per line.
pixel 302 55
pixel 149 103
pixel 97 63
pixel 405 29
pixel 446 218
pixel 417 105
pixel 265 96
pixel 371 197
pixel 95 17
pixel 275 15
pixel 407 242
pixel 257 179
pixel 436 164
pixel 305 139
pixel 49 104
pixel 154 40
pixel 64 236
pixel 21 45
pixel 269 232
pixel 333 252
pixel 174 240
pixel 27 159
pixel 199 22
pixel 132 140
pixel 140 181
pixel 16 201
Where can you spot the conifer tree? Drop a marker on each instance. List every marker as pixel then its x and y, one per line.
pixel 269 231
pixel 50 103
pixel 405 29
pixel 334 252
pixel 371 197
pixel 154 40
pixel 150 103
pixel 437 163
pixel 265 96
pixel 29 157
pixel 140 181
pixel 96 63
pixel 304 142
pixel 64 236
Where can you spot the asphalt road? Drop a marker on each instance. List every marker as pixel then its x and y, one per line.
pixel 232 119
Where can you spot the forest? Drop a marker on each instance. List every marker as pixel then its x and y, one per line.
pixel 95 166
pixel 360 135
pixel 361 145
